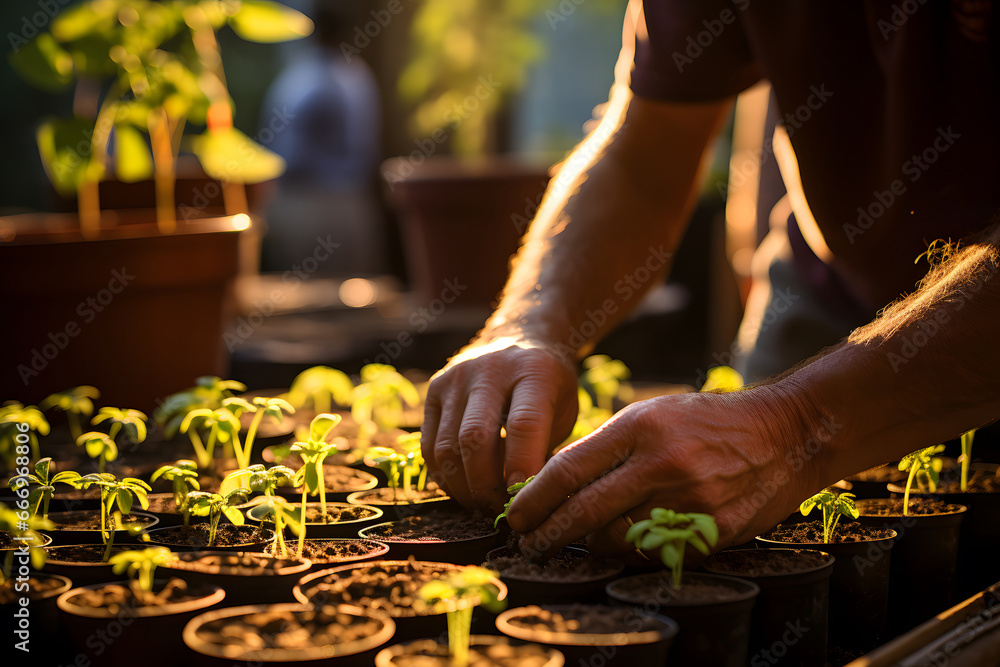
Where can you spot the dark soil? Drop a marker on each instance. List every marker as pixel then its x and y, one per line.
pixel 388 496
pixel 566 566
pixel 227 535
pixel 980 482
pixel 886 473
pixel 91 520
pixel 117 598
pixel 335 513
pixel 433 527
pixel 658 586
pixel 764 562
pixel 585 619
pixel 917 507
pixel 85 553
pixel 811 532
pixel 338 551
pixel 338 477
pixel 422 653
pixel 7 541
pixel 287 630
pixel 36 589
pixel 388 587
pixel 238 564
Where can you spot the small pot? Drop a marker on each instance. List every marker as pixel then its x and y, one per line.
pixel 118 636
pixel 364 481
pixel 209 653
pixel 620 649
pixel 790 617
pixel 459 552
pixel 84 573
pixel 253 541
pixel 375 551
pixel 163 507
pixel 342 529
pixel 401 508
pixel 859 588
pixel 711 633
pixel 62 536
pixel 40 621
pixel 545 590
pixel 247 578
pixel 433 653
pixel 871 483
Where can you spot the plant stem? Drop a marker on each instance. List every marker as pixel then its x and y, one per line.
pixel 163 169
pixel 459 625
pixel 966 458
pixel 322 401
pixel 243 453
pixel 302 527
pixel 422 478
pixel 322 492
pixel 906 493
pixel 33 439
pixel 204 460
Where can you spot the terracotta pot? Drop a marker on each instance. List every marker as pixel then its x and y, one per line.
pixel 244 584
pixel 433 653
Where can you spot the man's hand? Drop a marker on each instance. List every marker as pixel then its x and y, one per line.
pixel 525 387
pixel 722 454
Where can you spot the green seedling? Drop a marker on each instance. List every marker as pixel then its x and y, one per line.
pixel 413 461
pixel 104 447
pixel 321 386
pixel 260 407
pixel 77 403
pixel 284 515
pixel 314 450
pixel 222 426
pixel 44 482
pixel 390 462
pixel 208 393
pixel 214 506
pixel 834 506
pixel 924 468
pixel 18 422
pixel 722 379
pixel 23 530
pixel 381 395
pixel 513 490
pixel 462 592
pixel 606 377
pixel 123 492
pixel 140 566
pixel 671 532
pixel 99 446
pixel 967 439
pixel 183 476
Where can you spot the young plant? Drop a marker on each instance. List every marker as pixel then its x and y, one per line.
pixel 208 393
pixel 413 461
pixel 834 506
pixel 390 462
pixel 284 515
pixel 261 407
pixel 671 532
pixel 123 492
pixel 967 439
pixel 44 481
pixel 23 531
pixel 222 426
pixel 12 415
pixel 606 377
pixel 381 395
pixel 462 592
pixel 321 386
pixel 513 490
pixel 923 467
pixel 104 447
pixel 99 446
pixel 140 566
pixel 77 403
pixel 313 451
pixel 183 475
pixel 214 506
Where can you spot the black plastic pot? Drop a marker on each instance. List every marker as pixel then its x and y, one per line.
pixel 243 582
pixel 341 529
pixel 378 550
pixel 158 507
pixel 83 573
pixel 859 589
pixel 253 541
pixel 627 648
pixel 400 509
pixel 922 578
pixel 872 483
pixel 61 536
pixel 459 552
pixel 38 621
pixel 550 591
pixel 433 654
pixel 715 633
pixel 789 625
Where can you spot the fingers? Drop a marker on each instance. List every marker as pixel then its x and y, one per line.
pixel 479 443
pixel 610 540
pixel 529 430
pixel 450 471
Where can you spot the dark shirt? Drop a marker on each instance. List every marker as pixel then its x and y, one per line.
pixel 891 108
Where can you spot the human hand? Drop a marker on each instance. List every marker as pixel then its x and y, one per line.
pixel 526 387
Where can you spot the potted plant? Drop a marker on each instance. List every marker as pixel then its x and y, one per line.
pixel 859 585
pixel 131 424
pixel 183 477
pixel 12 414
pixel 144 71
pixel 401 465
pixel 383 397
pixel 103 525
pixel 712 611
pixel 208 392
pixel 44 481
pixel 76 403
pixel 222 424
pixel 259 407
pixel 233 536
pixel 320 387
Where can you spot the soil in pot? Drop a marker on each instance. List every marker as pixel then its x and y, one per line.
pixel 288 634
pixel 922 577
pixel 324 553
pixel 436 536
pixel 573 574
pixel 341 481
pixel 589 634
pixel 859 585
pixel 84 527
pixel 42 617
pixel 484 651
pixel 227 538
pixel 247 578
pixel 712 612
pixel 83 563
pixel 399 503
pixel 789 622
pixel 341 519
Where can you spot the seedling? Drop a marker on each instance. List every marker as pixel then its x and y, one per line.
pixel 214 506
pixel 222 426
pixel 122 492
pixel 834 506
pixel 722 379
pixel 606 377
pixel 265 480
pixel 99 446
pixel 313 452
pixel 77 403
pixel 321 386
pixel 391 463
pixel 413 461
pixel 967 439
pixel 462 592
pixel 12 415
pixel 23 530
pixel 44 481
pixel 381 395
pixel 513 490
pixel 284 515
pixel 140 566
pixel 104 447
pixel 183 475
pixel 208 393
pixel 924 467
pixel 671 532
pixel 261 407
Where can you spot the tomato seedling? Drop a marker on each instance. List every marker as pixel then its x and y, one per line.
pixel 11 415
pixel 833 506
pixel 321 386
pixel 314 450
pixel 140 567
pixel 260 407
pixel 104 447
pixel 513 490
pixel 924 468
pixel 462 592
pixel 44 485
pixel 967 439
pixel 123 492
pixel 214 506
pixel 607 378
pixel 207 393
pixel 671 532
pixel 183 476
pixel 222 426
pixel 77 404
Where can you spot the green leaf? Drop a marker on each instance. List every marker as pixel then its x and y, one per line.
pixel 125 500
pixel 321 425
pixel 143 498
pixel 43 63
pixel 312 479
pixel 230 156
pixel 64 146
pixel 233 515
pixel 670 554
pixel 267 22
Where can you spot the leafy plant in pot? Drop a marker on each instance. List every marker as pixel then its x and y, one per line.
pixel 42 484
pixel 131 424
pixel 402 498
pixel 183 477
pixel 82 527
pixel 859 585
pixel 234 536
pixel 712 611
